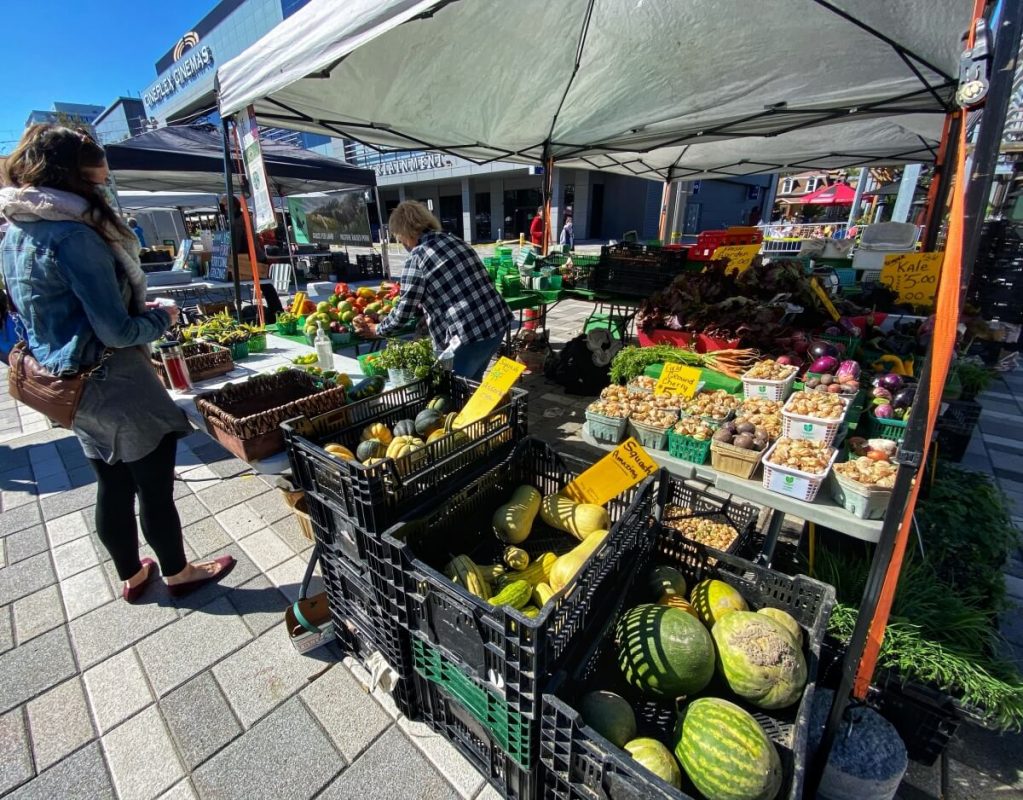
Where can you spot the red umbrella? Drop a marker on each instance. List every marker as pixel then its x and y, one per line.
pixel 838 194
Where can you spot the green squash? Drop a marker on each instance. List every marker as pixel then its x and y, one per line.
pixel 441 404
pixel 427 421
pixel 371 448
pixel 405 427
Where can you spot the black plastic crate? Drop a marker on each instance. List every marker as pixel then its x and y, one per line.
pixel 638 270
pixel 498 645
pixel 925 718
pixel 955 428
pixel 579 763
pixel 699 500
pixel 375 497
pixel 452 720
pixel 370 266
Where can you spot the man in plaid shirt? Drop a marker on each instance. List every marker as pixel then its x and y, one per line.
pixel 445 279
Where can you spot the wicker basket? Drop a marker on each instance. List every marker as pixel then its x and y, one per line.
pixel 203 359
pixel 246 417
pixel 735 460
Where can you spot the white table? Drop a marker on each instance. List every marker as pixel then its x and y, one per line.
pixel 822 511
pixel 278 353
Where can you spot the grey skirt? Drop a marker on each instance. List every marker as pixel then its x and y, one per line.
pixel 125 412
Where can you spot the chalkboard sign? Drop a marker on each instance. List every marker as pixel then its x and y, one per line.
pixel 220 256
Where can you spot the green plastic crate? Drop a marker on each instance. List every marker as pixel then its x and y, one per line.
pixel 893 429
pixel 687 448
pixel 366 365
pixel 852 344
pixel 508 728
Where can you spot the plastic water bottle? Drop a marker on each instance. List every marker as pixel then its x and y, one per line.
pixel 324 352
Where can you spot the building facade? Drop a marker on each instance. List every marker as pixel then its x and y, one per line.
pixel 82 113
pixel 122 119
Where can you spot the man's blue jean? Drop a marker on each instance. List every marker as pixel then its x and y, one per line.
pixel 472 358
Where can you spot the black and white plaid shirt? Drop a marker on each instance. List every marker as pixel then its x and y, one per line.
pixel 445 279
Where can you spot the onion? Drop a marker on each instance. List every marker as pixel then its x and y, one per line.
pixel 881 392
pixel 884 411
pixel 848 369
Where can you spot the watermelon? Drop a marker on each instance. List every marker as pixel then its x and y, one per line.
pixel 759 659
pixel 666 580
pixel 674 601
pixel 610 715
pixel 725 753
pixel 664 651
pixel 657 758
pixel 712 599
pixel 787 621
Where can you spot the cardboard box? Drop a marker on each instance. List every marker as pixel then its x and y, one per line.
pixel 245 269
pixel 316 612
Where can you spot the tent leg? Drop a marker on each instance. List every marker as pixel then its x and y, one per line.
pixel 383 234
pixel 854 212
pixel 229 180
pixel 287 241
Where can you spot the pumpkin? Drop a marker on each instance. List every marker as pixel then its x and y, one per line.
pixel 405 427
pixel 441 404
pixel 437 434
pixel 402 446
pixel 370 448
pixel 339 451
pixel 427 421
pixel 579 519
pixel 759 659
pixel 513 520
pixel 377 430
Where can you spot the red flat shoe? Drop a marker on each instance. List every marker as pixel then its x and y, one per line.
pixel 181 589
pixel 132 593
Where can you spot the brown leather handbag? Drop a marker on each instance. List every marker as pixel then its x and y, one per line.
pixel 54 396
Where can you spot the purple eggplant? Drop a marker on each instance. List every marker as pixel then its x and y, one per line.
pixel 889 381
pixel 849 369
pixel 833 330
pixel 821 349
pixel 884 411
pixel 904 397
pixel 824 365
pixel 879 392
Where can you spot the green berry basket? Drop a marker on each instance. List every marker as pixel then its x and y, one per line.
pixel 687 448
pixel 257 342
pixel 368 369
pixel 893 429
pixel 287 328
pixel 606 429
pixel 650 437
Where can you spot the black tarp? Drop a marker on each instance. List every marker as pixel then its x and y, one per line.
pixel 192 159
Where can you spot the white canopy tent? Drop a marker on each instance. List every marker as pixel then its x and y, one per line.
pixel 135 200
pixel 486 79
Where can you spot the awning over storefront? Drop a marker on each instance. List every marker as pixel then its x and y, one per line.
pixel 858 143
pixel 487 79
pixel 192 159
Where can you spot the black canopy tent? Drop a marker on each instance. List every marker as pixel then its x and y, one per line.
pixel 192 159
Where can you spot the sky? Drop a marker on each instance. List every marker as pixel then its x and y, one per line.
pixel 83 51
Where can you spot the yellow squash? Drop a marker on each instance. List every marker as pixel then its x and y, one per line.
pixel 514 520
pixel 578 519
pixel 339 451
pixel 568 565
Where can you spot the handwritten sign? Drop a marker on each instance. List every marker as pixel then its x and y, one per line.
pixel 495 386
pixel 823 296
pixel 739 256
pixel 621 469
pixel 678 379
pixel 913 275
pixel 219 257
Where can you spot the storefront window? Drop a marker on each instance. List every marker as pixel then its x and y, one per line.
pixel 483 231
pixel 519 208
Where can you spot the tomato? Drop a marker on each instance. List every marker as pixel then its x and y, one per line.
pixel 877 455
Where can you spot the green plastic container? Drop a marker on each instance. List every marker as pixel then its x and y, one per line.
pixel 239 350
pixel 366 365
pixel 257 343
pixel 687 448
pixel 606 429
pixel 893 429
pixel 650 438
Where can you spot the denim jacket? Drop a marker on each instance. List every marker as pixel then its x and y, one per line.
pixel 64 281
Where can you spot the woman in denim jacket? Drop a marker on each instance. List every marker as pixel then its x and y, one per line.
pixel 72 271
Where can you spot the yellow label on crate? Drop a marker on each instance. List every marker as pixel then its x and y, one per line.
pixel 678 379
pixel 913 275
pixel 738 256
pixel 621 469
pixel 819 291
pixel 495 386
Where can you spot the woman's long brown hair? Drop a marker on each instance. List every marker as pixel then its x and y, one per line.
pixel 54 156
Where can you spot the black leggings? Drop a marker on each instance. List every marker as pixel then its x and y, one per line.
pixel 152 479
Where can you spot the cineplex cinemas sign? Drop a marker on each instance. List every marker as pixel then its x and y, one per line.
pixel 194 62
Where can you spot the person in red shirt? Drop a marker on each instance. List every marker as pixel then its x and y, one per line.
pixel 536 228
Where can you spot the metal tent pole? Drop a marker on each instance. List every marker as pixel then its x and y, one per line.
pixel 383 233
pixel 229 180
pixel 287 238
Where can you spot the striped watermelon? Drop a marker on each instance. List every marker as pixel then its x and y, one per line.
pixel 726 754
pixel 664 651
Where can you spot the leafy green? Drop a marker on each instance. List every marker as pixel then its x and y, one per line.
pixel 416 356
pixel 629 362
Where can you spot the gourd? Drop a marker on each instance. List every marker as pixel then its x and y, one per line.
pixel 377 430
pixel 759 659
pixel 542 592
pixel 578 519
pixel 427 421
pixel 713 599
pixel 339 451
pixel 463 571
pixel 491 572
pixel 437 434
pixel 726 753
pixel 441 404
pixel 516 594
pixel 664 651
pixel 369 462
pixel 370 448
pixel 566 567
pixel 401 446
pixel 530 611
pixel 405 427
pixel 537 572
pixel 516 557
pixel 449 421
pixel 514 520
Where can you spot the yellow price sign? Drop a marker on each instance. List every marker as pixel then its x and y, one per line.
pixel 495 386
pixel 738 256
pixel 621 469
pixel 819 291
pixel 678 379
pixel 913 275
